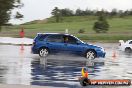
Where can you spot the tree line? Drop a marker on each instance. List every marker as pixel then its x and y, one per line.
pixel 88 12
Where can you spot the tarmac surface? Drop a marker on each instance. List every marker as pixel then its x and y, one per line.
pixel 24 70
pixel 19 86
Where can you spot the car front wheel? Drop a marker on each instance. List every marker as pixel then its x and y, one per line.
pixel 43 52
pixel 90 54
pixel 128 50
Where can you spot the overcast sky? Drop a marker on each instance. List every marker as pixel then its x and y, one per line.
pixel 41 9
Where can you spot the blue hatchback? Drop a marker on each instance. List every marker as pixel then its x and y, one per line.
pixel 47 43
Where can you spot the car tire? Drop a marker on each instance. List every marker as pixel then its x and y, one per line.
pixel 128 50
pixel 43 52
pixel 90 54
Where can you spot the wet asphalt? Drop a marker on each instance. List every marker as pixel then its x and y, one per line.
pixel 21 67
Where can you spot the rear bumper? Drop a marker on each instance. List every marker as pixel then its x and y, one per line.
pixel 34 50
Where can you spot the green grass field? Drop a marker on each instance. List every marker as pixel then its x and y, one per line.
pixel 120 28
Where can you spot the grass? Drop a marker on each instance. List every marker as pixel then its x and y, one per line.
pixel 120 28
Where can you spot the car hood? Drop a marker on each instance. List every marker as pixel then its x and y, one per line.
pixel 93 45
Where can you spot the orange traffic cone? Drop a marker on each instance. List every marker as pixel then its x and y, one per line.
pixel 86 74
pixel 22 46
pixel 114 54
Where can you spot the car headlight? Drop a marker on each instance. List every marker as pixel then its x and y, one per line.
pixel 102 49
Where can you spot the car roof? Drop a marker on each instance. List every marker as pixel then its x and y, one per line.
pixel 129 40
pixel 52 33
pixel 58 33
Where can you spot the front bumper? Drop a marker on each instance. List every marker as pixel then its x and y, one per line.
pixel 101 54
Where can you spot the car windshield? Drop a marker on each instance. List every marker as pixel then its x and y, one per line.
pixel 78 39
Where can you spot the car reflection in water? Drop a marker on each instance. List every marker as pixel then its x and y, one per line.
pixel 61 72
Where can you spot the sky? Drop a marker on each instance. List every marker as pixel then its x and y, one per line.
pixel 41 9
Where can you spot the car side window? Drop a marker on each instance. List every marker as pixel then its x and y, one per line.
pixel 42 37
pixel 55 38
pixel 70 40
pixel 130 42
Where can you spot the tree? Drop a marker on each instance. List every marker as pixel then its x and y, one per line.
pixel 121 13
pixel 6 7
pixel 113 12
pixel 88 12
pixel 101 25
pixel 78 12
pixel 66 12
pixel 18 15
pixel 57 14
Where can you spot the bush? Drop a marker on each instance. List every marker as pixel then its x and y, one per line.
pixel 101 25
pixel 81 30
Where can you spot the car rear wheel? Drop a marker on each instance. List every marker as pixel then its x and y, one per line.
pixel 90 54
pixel 128 50
pixel 43 52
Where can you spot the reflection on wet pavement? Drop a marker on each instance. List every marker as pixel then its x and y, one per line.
pixel 21 67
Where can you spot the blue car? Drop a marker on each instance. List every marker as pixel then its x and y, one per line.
pixel 47 43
